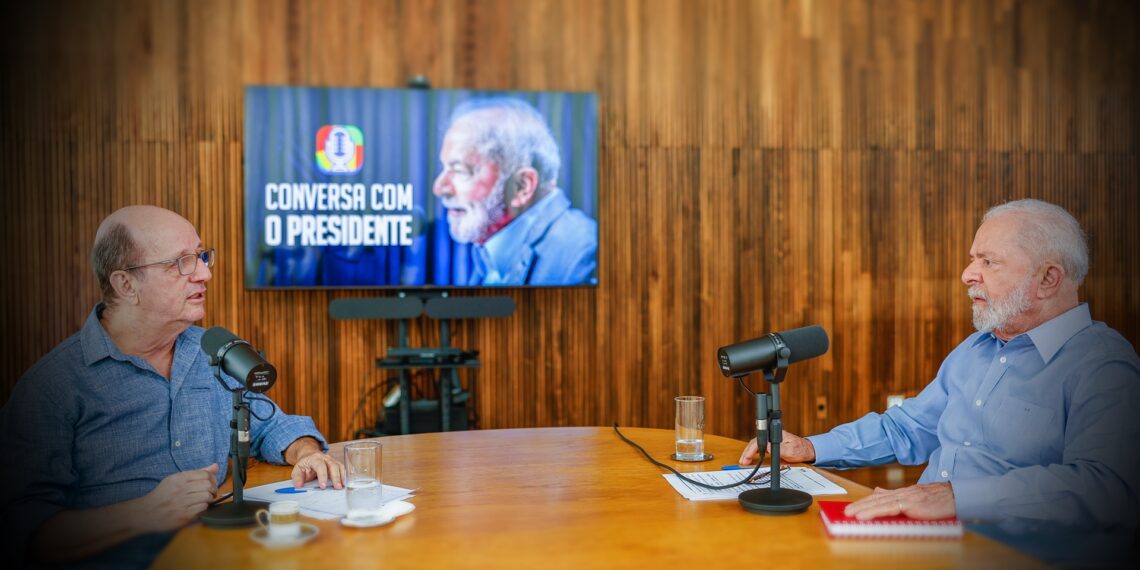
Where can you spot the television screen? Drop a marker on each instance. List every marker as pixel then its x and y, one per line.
pixel 357 187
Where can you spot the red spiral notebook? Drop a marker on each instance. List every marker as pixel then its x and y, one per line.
pixel 840 525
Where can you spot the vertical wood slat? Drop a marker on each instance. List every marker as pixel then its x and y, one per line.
pixel 764 164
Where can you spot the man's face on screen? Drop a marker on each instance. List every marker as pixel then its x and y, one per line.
pixel 470 186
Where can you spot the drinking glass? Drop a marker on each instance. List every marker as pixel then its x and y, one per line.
pixel 364 463
pixel 690 428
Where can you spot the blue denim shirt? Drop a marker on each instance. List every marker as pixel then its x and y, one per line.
pixel 89 426
pixel 1040 429
pixel 549 244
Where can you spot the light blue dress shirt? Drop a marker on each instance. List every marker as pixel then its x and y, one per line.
pixel 549 244
pixel 89 426
pixel 1040 429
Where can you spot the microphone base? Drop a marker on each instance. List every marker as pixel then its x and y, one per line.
pixel 231 515
pixel 778 502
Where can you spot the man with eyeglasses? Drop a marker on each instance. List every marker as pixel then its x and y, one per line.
pixel 119 436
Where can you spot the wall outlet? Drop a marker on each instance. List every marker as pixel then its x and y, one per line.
pixel 895 400
pixel 821 407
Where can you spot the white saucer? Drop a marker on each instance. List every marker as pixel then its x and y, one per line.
pixel 260 535
pixel 385 515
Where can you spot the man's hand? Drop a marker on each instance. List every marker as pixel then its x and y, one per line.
pixel 178 499
pixel 923 502
pixel 309 463
pixel 794 449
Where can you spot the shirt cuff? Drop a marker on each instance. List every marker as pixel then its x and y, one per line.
pixel 828 449
pixel 284 434
pixel 973 500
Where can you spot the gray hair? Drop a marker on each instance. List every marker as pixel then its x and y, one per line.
pixel 1048 232
pixel 114 249
pixel 513 134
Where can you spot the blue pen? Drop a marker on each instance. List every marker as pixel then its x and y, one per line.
pixel 735 467
pixel 289 491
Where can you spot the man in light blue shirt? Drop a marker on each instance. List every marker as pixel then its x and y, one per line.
pixel 499 186
pixel 548 244
pixel 119 435
pixel 1030 420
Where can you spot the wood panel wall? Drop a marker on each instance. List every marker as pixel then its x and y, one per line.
pixel 765 165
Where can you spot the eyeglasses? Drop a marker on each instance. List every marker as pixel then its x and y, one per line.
pixel 766 477
pixel 186 263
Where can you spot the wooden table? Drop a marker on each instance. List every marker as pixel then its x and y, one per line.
pixel 567 498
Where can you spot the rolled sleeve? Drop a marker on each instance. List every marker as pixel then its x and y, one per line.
pixel 272 437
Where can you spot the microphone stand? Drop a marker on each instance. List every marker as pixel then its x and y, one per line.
pixel 773 500
pixel 239 512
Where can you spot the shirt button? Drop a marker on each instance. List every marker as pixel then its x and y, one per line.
pixel 977 402
pixel 967 444
pixel 1002 360
pixel 945 474
pixel 178 443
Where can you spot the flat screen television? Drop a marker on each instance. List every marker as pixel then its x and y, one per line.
pixel 411 188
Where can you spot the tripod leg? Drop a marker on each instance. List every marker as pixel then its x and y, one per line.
pixel 445 400
pixel 405 403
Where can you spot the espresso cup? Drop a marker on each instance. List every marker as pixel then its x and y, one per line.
pixel 282 521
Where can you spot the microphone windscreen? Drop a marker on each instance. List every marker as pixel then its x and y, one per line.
pixel 215 338
pixel 805 343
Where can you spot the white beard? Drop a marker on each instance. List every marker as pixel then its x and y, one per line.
pixel 479 217
pixel 997 314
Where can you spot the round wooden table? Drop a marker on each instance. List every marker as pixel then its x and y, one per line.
pixel 567 498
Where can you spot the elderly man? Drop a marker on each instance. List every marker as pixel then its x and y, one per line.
pixel 119 435
pixel 1031 418
pixel 499 186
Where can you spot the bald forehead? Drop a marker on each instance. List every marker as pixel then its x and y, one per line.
pixel 155 231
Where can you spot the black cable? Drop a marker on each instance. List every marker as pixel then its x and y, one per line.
pixel 251 398
pixel 746 480
pixel 390 380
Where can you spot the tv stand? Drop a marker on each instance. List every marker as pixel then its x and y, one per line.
pixel 445 359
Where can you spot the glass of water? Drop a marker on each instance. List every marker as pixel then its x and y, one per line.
pixel 364 464
pixel 690 428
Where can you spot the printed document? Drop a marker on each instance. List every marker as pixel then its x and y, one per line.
pixel 327 503
pixel 799 478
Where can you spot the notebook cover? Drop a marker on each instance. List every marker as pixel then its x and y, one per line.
pixel 897 526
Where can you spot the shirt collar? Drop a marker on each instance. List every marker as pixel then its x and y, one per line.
pixel 97 344
pixel 499 252
pixel 1050 336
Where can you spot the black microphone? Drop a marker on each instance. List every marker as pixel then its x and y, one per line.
pixel 762 353
pixel 238 359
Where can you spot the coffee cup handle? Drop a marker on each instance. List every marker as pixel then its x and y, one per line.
pixel 257 515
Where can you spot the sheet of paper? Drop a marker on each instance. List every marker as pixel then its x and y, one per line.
pixel 327 503
pixel 800 478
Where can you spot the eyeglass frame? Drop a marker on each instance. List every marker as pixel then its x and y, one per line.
pixel 762 478
pixel 177 261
